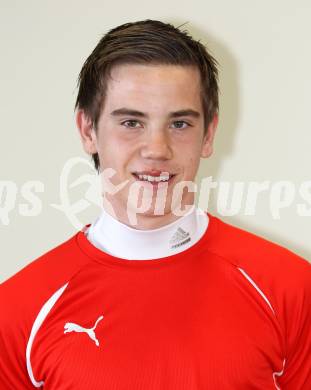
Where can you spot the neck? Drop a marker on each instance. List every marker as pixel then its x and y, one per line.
pixel 121 240
pixel 148 221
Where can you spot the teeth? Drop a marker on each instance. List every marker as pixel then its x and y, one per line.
pixel 154 178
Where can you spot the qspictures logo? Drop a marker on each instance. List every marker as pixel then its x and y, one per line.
pixel 93 189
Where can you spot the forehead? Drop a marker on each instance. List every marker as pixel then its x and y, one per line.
pixel 154 86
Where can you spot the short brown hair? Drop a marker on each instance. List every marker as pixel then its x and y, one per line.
pixel 144 42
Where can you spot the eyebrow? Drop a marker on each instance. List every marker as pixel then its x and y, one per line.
pixel 174 114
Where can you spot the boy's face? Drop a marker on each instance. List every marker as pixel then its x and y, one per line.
pixel 142 129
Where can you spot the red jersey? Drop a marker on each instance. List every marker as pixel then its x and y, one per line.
pixel 230 312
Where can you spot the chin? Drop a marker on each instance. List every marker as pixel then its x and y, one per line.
pixel 151 212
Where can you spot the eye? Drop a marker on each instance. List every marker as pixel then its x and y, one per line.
pixel 131 123
pixel 181 124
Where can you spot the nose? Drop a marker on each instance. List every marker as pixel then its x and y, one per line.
pixel 157 146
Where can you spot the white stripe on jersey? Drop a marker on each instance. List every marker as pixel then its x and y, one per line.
pixel 256 287
pixel 46 308
pixel 250 280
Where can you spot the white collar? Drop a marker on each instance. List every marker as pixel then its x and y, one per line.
pixel 120 240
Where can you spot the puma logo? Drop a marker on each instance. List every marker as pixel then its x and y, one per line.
pixel 71 327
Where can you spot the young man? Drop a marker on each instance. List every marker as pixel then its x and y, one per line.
pixel 171 301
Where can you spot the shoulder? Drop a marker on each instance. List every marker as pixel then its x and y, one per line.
pixel 257 254
pixel 282 276
pixel 22 295
pixel 21 298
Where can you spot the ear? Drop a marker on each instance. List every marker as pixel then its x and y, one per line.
pixel 87 132
pixel 207 146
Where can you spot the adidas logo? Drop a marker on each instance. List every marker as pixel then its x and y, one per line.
pixel 179 238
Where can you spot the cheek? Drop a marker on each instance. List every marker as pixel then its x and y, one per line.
pixel 191 166
pixel 116 156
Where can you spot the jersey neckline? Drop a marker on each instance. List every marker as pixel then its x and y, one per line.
pixel 96 254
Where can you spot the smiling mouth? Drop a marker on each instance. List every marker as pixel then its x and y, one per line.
pixel 164 177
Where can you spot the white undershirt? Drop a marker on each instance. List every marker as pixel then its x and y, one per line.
pixel 120 240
